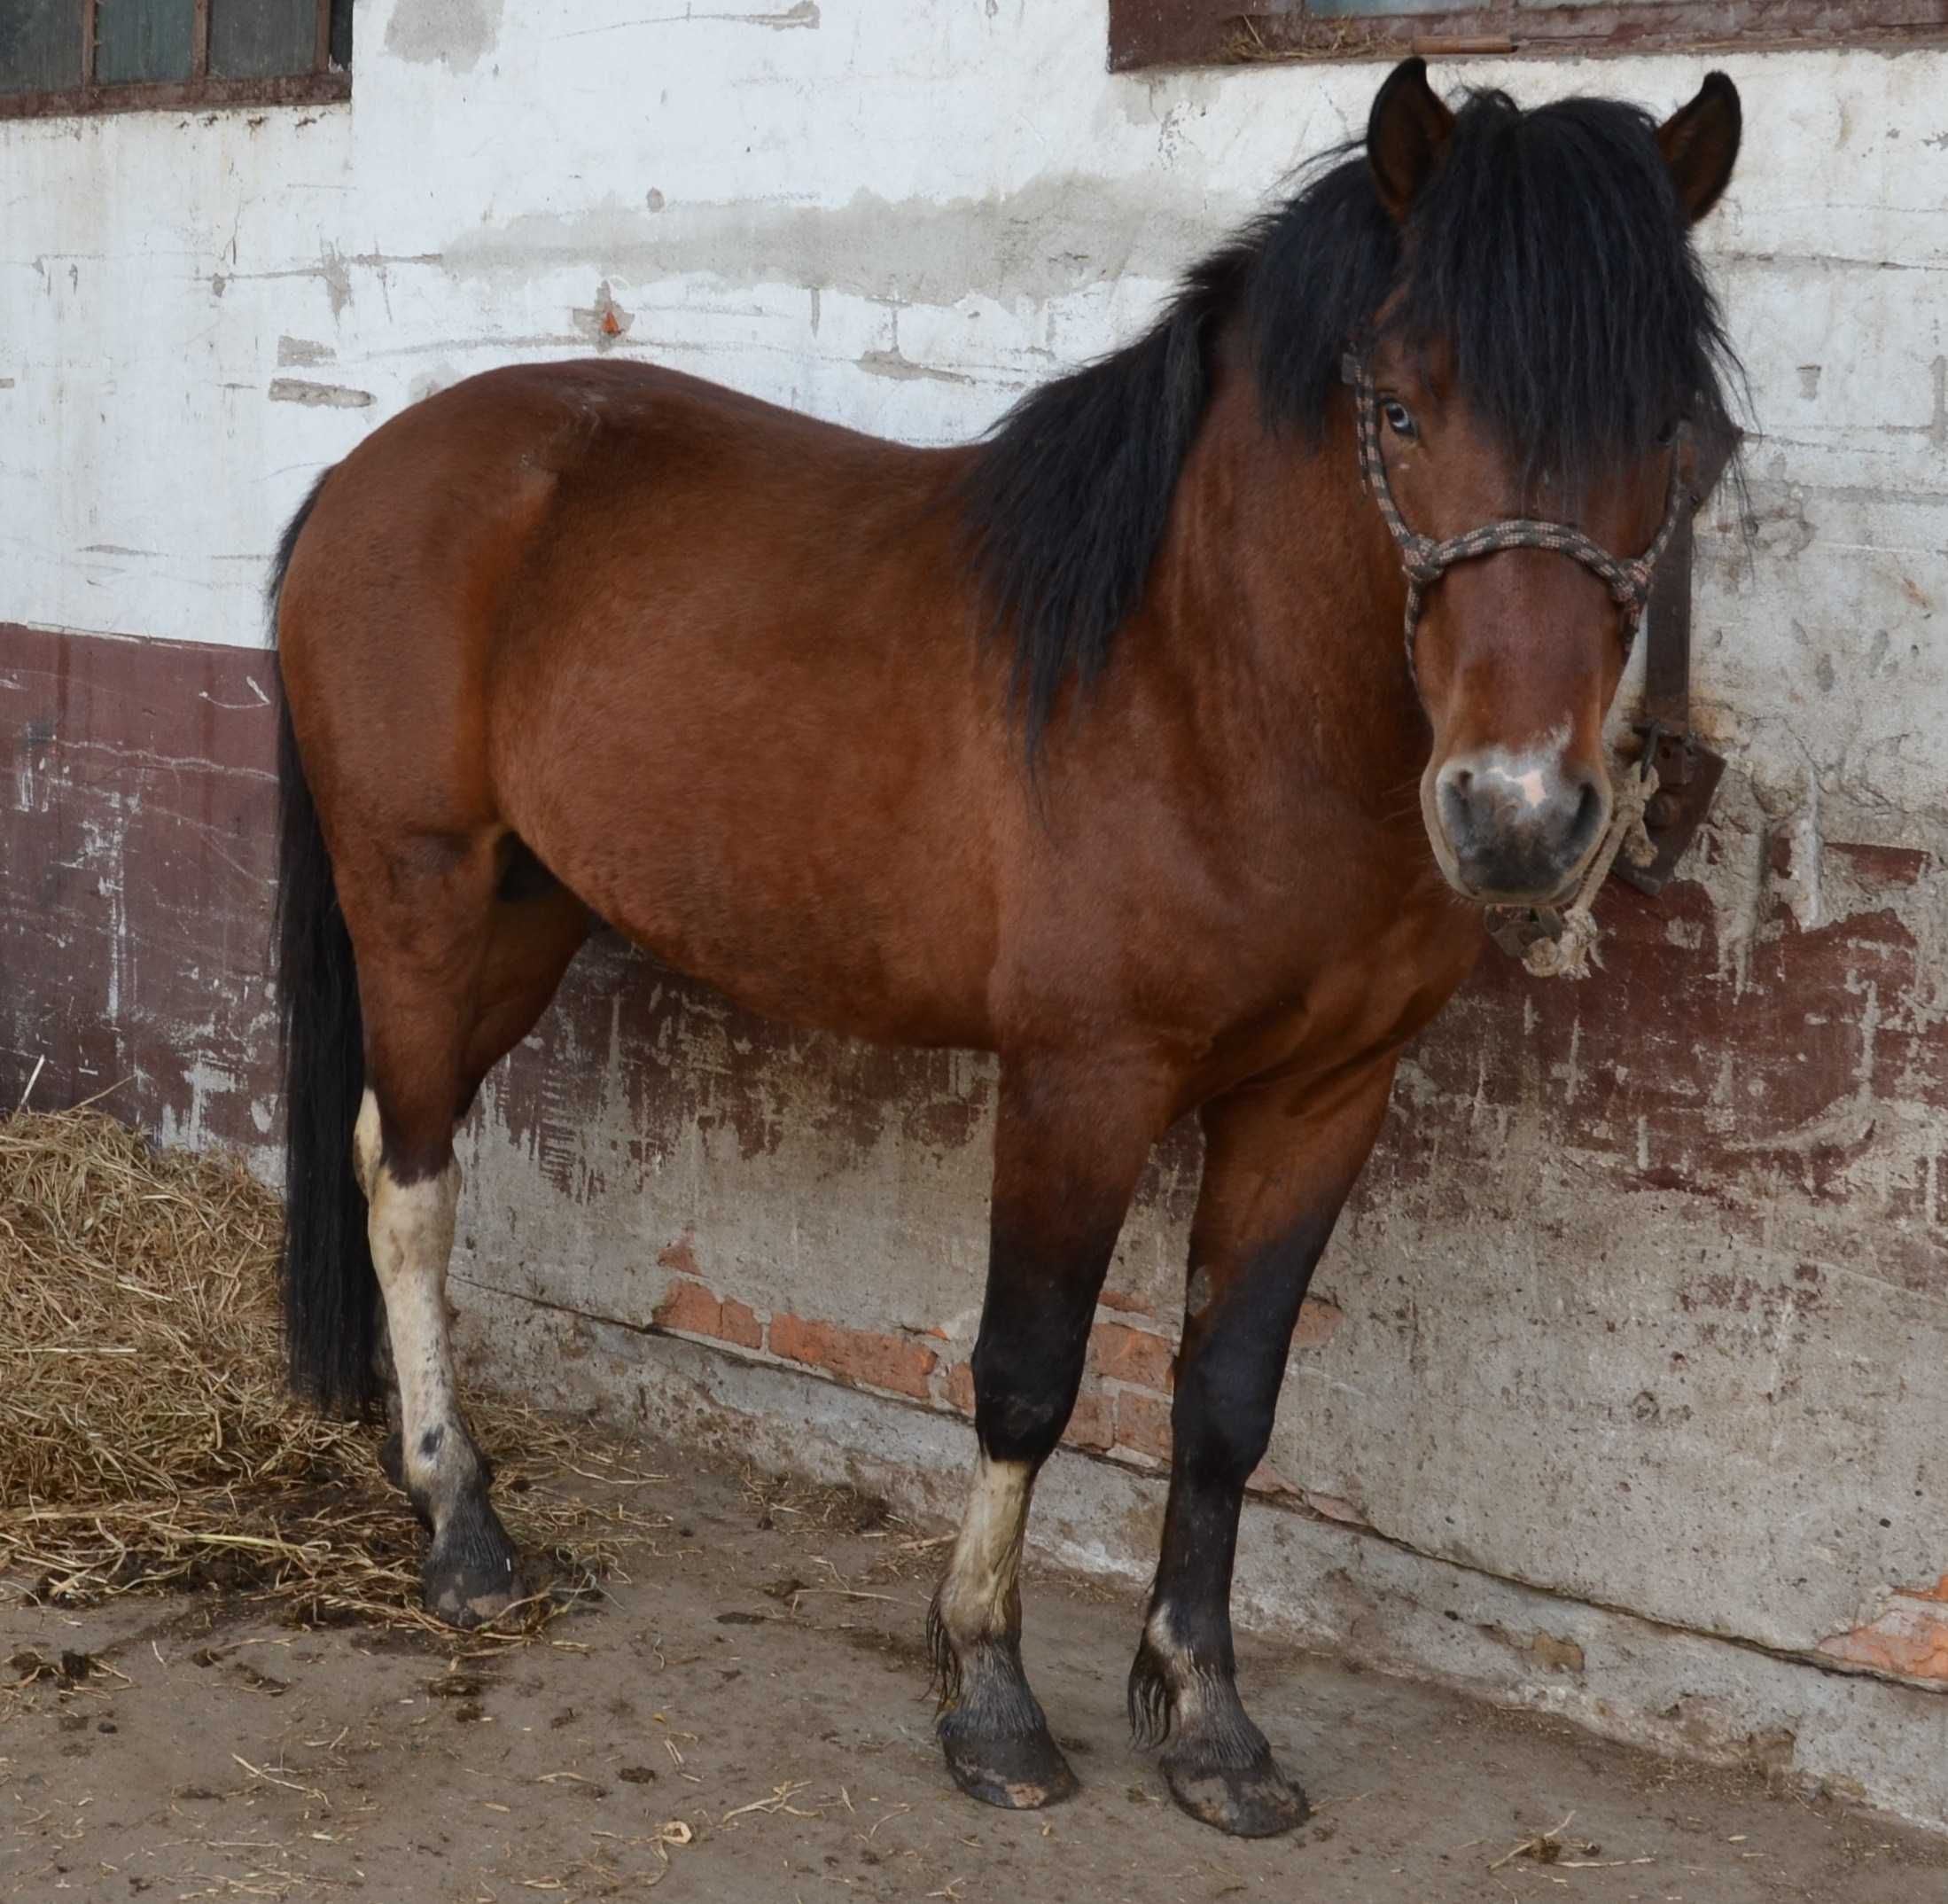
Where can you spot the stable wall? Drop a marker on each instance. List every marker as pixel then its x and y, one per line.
pixel 1622 1384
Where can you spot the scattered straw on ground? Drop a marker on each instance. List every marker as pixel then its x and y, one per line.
pixel 147 1438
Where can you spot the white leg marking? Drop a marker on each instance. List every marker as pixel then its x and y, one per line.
pixel 1181 1671
pixel 977 1598
pixel 365 1144
pixel 412 1231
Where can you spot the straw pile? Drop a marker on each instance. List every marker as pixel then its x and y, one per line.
pixel 146 1437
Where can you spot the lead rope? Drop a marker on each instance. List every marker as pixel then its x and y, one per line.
pixel 1566 947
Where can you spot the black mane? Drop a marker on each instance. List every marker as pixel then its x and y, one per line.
pixel 1548 250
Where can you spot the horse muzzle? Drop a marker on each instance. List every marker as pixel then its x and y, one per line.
pixel 1515 830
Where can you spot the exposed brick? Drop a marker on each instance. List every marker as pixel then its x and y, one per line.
pixel 740 1324
pixel 680 1255
pixel 1909 1639
pixel 1093 1425
pixel 1334 1509
pixel 1127 1302
pixel 1142 1424
pixel 1317 1320
pixel 1265 1480
pixel 692 1310
pixel 960 1387
pixel 1135 1355
pixel 855 1355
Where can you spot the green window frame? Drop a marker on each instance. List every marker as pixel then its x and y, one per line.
pixel 63 57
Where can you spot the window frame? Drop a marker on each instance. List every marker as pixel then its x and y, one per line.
pixel 1148 34
pixel 323 84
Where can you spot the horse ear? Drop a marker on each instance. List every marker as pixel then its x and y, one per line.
pixel 1700 144
pixel 1407 134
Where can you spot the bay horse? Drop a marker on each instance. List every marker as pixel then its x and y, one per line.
pixel 1093 743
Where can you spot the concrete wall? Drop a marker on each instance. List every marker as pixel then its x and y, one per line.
pixel 1624 1380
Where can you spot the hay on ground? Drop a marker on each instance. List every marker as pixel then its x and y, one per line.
pixel 147 1438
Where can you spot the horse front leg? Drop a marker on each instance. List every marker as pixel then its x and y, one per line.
pixel 1277 1165
pixel 1069 1147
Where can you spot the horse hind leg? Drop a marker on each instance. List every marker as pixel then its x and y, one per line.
pixel 445 998
pixel 471 1573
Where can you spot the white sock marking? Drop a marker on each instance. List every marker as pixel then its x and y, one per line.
pixel 978 1597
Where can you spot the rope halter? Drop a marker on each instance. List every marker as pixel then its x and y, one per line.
pixel 1426 560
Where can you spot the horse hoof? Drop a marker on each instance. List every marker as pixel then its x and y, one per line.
pixel 1019 1773
pixel 472 1575
pixel 1259 1801
pixel 469 1601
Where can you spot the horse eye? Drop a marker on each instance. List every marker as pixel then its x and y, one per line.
pixel 1399 419
pixel 1668 435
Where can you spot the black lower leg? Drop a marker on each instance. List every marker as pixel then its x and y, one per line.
pixel 1051 1241
pixel 1183 1684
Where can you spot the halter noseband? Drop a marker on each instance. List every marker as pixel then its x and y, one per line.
pixel 1425 560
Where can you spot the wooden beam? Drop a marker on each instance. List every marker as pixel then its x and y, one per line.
pixel 300 88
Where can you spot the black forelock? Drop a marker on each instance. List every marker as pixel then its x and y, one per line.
pixel 1547 252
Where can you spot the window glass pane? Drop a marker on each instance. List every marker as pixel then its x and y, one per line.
pixel 40 45
pixel 341 34
pixel 262 39
pixel 142 40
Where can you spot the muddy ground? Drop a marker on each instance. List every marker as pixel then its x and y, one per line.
pixel 745 1719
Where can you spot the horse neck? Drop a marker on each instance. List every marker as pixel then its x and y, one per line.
pixel 1275 608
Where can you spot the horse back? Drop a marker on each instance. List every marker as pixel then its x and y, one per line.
pixel 715 663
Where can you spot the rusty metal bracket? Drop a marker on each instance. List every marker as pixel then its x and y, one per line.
pixel 1688 772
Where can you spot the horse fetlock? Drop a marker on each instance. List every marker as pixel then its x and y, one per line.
pixel 1183 1688
pixel 1218 1766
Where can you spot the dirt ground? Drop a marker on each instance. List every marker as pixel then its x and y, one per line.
pixel 745 1720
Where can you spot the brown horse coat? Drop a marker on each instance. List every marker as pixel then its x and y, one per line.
pixel 601 642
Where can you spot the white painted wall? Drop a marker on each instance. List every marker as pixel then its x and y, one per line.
pixel 901 217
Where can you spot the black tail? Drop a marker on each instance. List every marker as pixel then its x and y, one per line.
pixel 331 1293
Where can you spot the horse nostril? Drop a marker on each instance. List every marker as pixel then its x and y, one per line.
pixel 1587 823
pixel 1455 800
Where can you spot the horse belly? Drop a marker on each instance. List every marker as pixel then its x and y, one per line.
pixel 773 836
